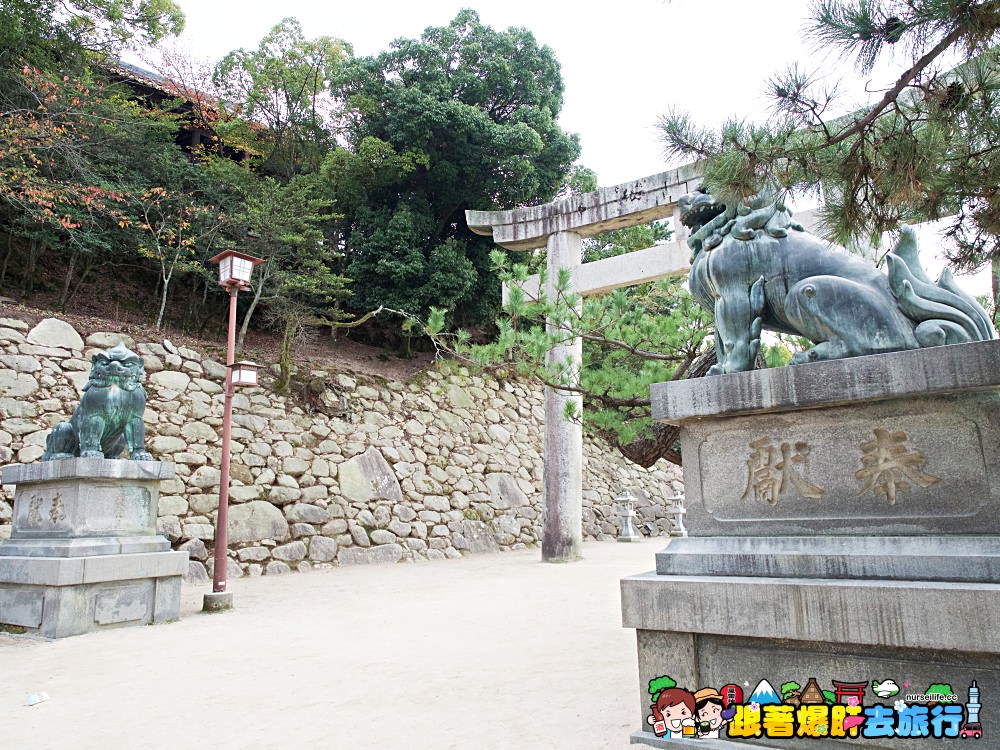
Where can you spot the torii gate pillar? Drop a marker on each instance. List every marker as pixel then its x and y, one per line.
pixel 560 226
pixel 562 538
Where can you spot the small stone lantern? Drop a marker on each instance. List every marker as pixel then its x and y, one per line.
pixel 677 511
pixel 626 509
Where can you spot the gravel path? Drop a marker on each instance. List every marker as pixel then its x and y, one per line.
pixel 497 651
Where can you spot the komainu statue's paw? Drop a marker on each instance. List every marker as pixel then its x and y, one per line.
pixel 801 358
pixel 141 456
pixel 60 443
pixel 91 454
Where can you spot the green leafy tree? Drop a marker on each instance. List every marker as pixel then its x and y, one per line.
pixel 281 223
pixel 466 118
pixel 61 33
pixel 283 84
pixel 928 148
pixel 305 294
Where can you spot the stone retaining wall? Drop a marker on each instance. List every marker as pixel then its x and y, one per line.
pixel 441 466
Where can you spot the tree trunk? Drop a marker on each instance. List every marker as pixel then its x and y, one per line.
pixel 64 297
pixel 88 266
pixel 202 320
pixel 6 258
pixel 191 314
pixel 249 314
pixel 163 302
pixel 336 314
pixel 34 250
pixel 285 353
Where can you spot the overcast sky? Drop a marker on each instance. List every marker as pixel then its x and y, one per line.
pixel 622 67
pixel 624 64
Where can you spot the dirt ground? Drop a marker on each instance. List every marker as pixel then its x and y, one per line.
pixel 497 651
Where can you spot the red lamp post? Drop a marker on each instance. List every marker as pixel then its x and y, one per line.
pixel 235 270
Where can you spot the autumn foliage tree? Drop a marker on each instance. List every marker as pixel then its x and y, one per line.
pixel 349 175
pixel 174 225
pixel 47 128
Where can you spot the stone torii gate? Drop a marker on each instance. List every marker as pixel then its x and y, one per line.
pixel 559 226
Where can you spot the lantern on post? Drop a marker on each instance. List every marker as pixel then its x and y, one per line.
pixel 235 272
pixel 244 372
pixel 235 269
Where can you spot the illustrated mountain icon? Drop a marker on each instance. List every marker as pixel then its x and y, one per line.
pixel 764 694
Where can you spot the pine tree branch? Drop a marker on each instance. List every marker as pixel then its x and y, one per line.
pixel 320 320
pixel 892 94
pixel 601 398
pixel 645 354
pixel 683 368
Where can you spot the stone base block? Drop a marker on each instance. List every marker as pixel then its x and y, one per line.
pixel 217 601
pixel 913 558
pixel 890 445
pixel 84 546
pixel 60 597
pixel 85 497
pixel 717 631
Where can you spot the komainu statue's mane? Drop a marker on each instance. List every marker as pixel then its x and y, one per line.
pixel 764 216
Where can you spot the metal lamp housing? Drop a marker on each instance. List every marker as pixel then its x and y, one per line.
pixel 235 269
pixel 245 373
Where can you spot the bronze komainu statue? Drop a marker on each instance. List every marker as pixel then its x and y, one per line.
pixel 108 420
pixel 754 268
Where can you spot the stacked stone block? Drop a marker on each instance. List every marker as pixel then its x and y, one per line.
pixel 438 467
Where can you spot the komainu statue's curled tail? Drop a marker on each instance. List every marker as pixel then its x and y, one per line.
pixel 944 314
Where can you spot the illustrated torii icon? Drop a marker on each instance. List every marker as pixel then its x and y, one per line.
pixel 559 226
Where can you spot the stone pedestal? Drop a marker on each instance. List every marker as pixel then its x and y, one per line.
pixel 844 525
pixel 83 553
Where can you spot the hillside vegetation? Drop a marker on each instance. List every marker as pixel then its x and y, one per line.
pixel 348 175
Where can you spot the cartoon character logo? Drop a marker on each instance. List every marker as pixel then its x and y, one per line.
pixel 885 688
pixel 711 713
pixel 672 714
